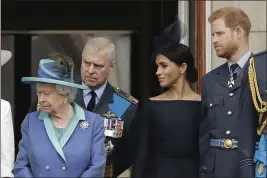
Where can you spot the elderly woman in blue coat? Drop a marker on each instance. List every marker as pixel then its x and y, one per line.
pixel 61 139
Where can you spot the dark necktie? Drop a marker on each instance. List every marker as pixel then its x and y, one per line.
pixel 235 69
pixel 91 104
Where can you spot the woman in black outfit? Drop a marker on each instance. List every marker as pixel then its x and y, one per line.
pixel 168 146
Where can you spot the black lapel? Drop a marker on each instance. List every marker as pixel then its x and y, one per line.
pixel 223 75
pixel 107 97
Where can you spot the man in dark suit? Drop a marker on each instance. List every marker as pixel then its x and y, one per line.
pixel 116 107
pixel 258 88
pixel 224 134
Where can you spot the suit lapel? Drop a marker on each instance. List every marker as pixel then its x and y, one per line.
pixel 79 115
pixel 223 75
pixel 107 97
pixel 70 129
pixel 52 136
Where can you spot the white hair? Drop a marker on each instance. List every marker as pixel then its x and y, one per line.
pixel 100 45
pixel 67 91
pixel 70 92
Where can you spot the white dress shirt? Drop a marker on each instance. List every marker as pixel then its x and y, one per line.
pixel 7 140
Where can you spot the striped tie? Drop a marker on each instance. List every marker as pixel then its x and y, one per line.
pixel 235 70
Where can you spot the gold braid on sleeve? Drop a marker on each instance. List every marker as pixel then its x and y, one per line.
pixel 261 106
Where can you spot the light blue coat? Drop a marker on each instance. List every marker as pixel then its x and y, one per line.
pixel 79 153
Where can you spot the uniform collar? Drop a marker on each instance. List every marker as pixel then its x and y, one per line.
pixel 242 61
pixel 98 91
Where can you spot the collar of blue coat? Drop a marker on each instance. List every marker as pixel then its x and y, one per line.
pixel 242 61
pixel 49 127
pixel 78 113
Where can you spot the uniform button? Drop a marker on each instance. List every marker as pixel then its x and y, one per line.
pixel 47 167
pixel 231 94
pixel 204 168
pixel 210 105
pixel 228 132
pixel 63 168
pixel 229 113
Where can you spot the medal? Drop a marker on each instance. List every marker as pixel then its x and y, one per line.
pixel 231 83
pixel 113 128
pixel 109 147
pixel 260 168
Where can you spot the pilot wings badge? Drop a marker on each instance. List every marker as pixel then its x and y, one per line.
pixel 109 114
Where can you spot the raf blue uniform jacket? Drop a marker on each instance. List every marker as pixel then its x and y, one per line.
pixel 124 106
pixel 250 115
pixel 79 153
pixel 260 157
pixel 228 113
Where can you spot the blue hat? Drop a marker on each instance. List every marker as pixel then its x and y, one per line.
pixel 57 70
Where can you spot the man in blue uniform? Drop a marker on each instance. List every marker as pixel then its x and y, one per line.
pixel 227 140
pixel 258 86
pixel 116 107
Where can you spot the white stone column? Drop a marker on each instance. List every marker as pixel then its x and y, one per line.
pixel 183 14
pixel 208 38
pixel 123 57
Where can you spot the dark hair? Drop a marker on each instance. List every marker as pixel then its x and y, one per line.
pixel 168 44
pixel 180 54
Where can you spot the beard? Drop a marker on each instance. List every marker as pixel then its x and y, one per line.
pixel 227 51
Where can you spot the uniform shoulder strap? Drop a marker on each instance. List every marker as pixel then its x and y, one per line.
pixel 126 96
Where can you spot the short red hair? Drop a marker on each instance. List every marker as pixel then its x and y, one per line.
pixel 233 17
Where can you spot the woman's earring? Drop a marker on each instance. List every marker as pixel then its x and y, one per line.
pixel 65 102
